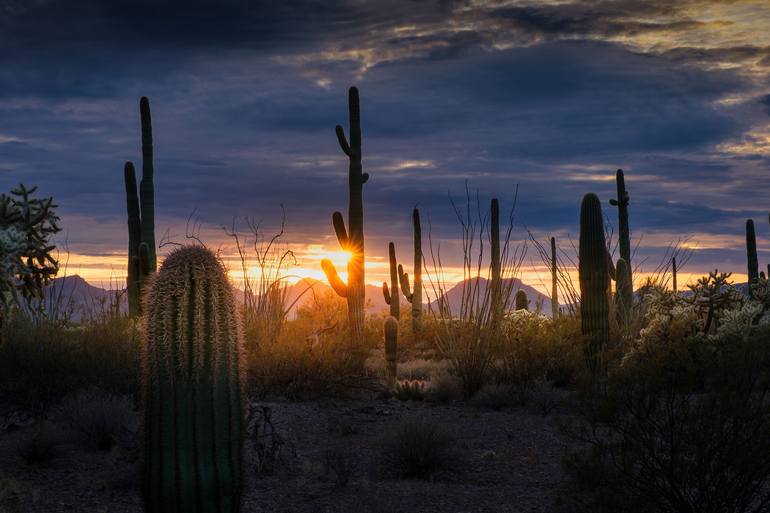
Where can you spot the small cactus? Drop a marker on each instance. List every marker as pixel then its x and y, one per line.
pixel 594 279
pixel 193 414
pixel 751 252
pixel 391 294
pixel 141 216
pixel 391 351
pixel 414 295
pixel 351 239
pixel 521 302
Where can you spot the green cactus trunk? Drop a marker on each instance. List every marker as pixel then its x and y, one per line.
pixel 521 302
pixel 594 280
pixel 193 411
pixel 554 281
pixel 141 216
pixel 391 351
pixel 414 296
pixel 352 239
pixel 391 294
pixel 751 252
pixel 496 293
pixel 624 295
pixel 624 234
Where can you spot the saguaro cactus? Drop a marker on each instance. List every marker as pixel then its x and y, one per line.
pixel 554 281
pixel 673 271
pixel 193 414
pixel 521 302
pixel 141 215
pixel 751 252
pixel 351 240
pixel 391 351
pixel 414 295
pixel 594 278
pixel 624 296
pixel 391 295
pixel 624 237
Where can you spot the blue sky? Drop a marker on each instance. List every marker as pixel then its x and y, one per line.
pixel 552 96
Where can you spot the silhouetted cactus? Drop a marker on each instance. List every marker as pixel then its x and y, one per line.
pixel 594 279
pixel 554 281
pixel 414 296
pixel 391 351
pixel 751 252
pixel 193 414
pixel 141 215
pixel 624 295
pixel 495 266
pixel 521 302
pixel 351 240
pixel 391 295
pixel 624 237
pixel 673 272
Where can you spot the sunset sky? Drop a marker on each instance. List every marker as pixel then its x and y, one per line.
pixel 551 95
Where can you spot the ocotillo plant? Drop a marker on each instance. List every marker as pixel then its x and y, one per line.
pixel 594 279
pixel 554 281
pixel 521 302
pixel 391 351
pixel 624 295
pixel 193 414
pixel 351 240
pixel 624 237
pixel 751 252
pixel 391 294
pixel 141 215
pixel 414 295
pixel 495 267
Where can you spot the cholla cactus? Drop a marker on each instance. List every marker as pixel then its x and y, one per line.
pixel 193 414
pixel 26 261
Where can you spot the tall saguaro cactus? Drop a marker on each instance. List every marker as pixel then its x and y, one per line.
pixel 554 281
pixel 751 252
pixel 673 272
pixel 193 411
pixel 391 294
pixel 624 236
pixel 351 239
pixel 594 279
pixel 496 298
pixel 414 294
pixel 141 216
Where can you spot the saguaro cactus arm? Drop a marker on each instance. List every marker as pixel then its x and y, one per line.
pixel 403 278
pixel 334 279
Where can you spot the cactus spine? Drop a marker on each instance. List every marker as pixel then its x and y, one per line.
pixel 751 252
pixel 495 268
pixel 624 237
pixel 391 351
pixel 521 303
pixel 351 240
pixel 414 296
pixel 141 216
pixel 594 279
pixel 192 389
pixel 624 295
pixel 391 295
pixel 554 281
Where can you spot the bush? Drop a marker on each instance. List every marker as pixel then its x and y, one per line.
pixel 42 447
pixel 683 426
pixel 418 448
pixel 97 418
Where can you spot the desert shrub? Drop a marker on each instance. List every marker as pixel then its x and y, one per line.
pixel 409 390
pixel 444 387
pixel 418 447
pixel 312 356
pixel 42 447
pixel 97 418
pixel 267 442
pixel 682 425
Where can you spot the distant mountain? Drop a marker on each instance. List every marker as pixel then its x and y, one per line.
pixel 74 298
pixel 455 294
